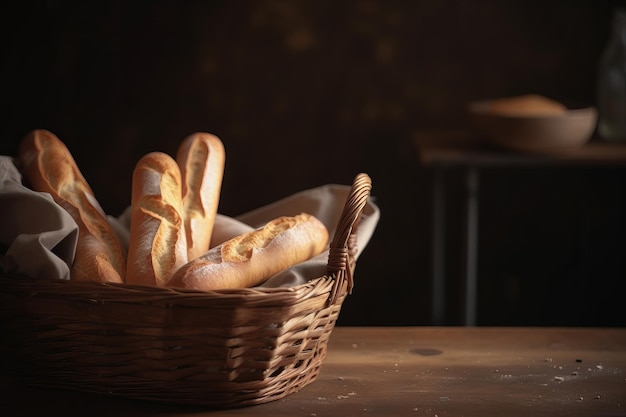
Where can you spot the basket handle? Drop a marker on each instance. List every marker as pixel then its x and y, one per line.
pixel 343 248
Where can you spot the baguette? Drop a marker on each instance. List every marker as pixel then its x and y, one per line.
pixel 157 246
pixel 250 259
pixel 201 159
pixel 49 167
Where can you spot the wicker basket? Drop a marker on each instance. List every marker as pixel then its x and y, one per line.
pixel 223 349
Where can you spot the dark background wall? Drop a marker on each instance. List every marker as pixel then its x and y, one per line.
pixel 306 92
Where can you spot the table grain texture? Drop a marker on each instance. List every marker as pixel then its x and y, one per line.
pixel 414 371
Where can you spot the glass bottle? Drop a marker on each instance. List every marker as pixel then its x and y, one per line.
pixel 612 83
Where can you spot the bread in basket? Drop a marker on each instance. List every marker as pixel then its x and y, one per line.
pixel 226 348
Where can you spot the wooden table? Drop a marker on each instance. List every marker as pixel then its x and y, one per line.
pixel 444 151
pixel 415 371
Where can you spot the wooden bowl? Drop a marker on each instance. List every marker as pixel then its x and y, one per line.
pixel 533 132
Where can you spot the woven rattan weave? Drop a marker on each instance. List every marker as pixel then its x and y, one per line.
pixel 223 349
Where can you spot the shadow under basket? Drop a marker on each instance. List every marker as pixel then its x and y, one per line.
pixel 223 349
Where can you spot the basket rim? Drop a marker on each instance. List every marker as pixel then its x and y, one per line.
pixel 121 292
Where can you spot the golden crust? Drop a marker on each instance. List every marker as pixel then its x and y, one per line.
pixel 201 159
pixel 250 259
pixel 157 241
pixel 49 167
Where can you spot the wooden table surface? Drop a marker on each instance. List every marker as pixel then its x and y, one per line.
pixel 415 371
pixel 466 148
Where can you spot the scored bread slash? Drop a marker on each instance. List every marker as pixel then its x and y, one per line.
pixel 201 158
pixel 157 245
pixel 250 259
pixel 48 166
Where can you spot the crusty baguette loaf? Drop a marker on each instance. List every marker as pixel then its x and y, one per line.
pixel 157 246
pixel 49 167
pixel 251 258
pixel 201 159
